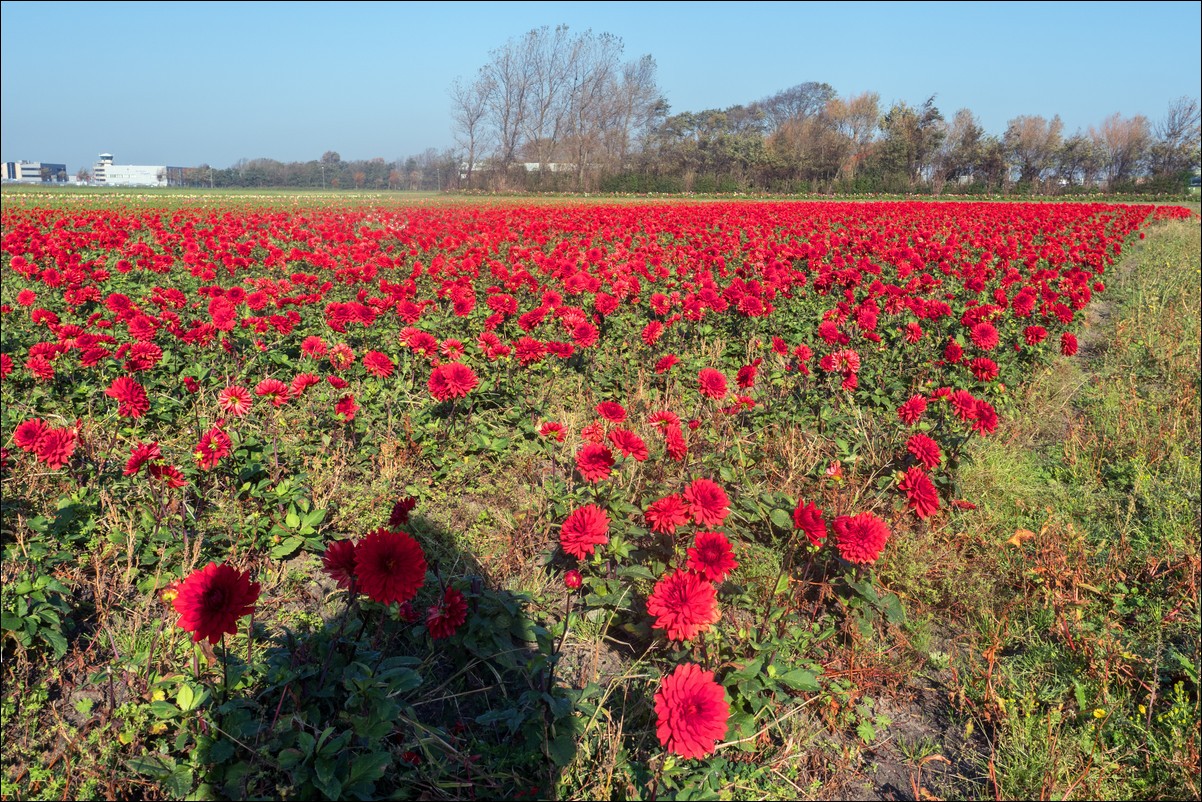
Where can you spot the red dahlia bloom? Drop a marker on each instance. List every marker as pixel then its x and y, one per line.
pixel 860 537
pixel 552 429
pixel 56 447
pixel 808 518
pixel 920 493
pixel 389 566
pixel 594 462
pixel 400 512
pixel 684 605
pixel 141 454
pixel 964 404
pixel 169 474
pixel 712 383
pixel 925 449
pixel 691 712
pixel 652 332
pixel 300 383
pixel 573 580
pixel 665 419
pixel 593 432
pixel 378 364
pixel 1033 335
pixel 711 556
pixel 346 407
pixel 984 417
pixel 953 352
pixel 234 401
pixel 629 444
pixel 707 502
pixel 341 356
pixel 675 444
pixel 665 364
pixel 274 390
pixel 314 347
pixel 984 369
pixel 667 513
pixel 611 411
pixel 984 336
pixel 213 447
pixel 912 410
pixel 338 562
pixel 1068 344
pixel 30 433
pixel 443 619
pixel 212 599
pixel 131 397
pixel 584 530
pixel 451 380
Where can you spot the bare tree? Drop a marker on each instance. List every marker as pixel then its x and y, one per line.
pixel 795 103
pixel 509 75
pixel 548 60
pixel 592 72
pixel 857 118
pixel 469 106
pixel 1177 138
pixel 1125 141
pixel 633 104
pixel 1032 143
pixel 960 150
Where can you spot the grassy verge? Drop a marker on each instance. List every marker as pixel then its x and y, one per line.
pixel 1084 664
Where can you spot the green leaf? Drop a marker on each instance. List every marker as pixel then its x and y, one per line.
pixel 782 519
pixel 292 520
pixel 368 767
pixel 314 518
pixel 286 547
pixel 746 673
pixel 801 680
pixel 186 697
pixel 164 709
pixel 221 751
pixel 562 749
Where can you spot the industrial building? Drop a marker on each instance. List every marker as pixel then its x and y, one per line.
pixel 34 172
pixel 106 173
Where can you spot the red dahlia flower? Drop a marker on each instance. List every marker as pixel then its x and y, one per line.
pixel 984 369
pixel 920 493
pixel 400 512
pixel 443 619
pixel 1033 335
pixel 213 447
pixel 593 432
pixel 573 580
pixel 629 443
pixel 925 449
pixel 212 599
pixel 451 380
pixel 139 455
pixel 131 397
pixel 341 357
pixel 552 429
pixel 860 537
pixel 611 411
pixel 378 364
pixel 1068 344
pixel 30 433
pixel 234 400
pixel 675 444
pixel 808 518
pixel 300 383
pixel 707 502
pixel 711 556
pixel 56 447
pixel 594 462
pixel 712 383
pixel 274 390
pixel 338 562
pixel 912 410
pixel 691 712
pixel 346 407
pixel 684 605
pixel 389 566
pixel 665 364
pixel 984 336
pixel 667 513
pixel 584 530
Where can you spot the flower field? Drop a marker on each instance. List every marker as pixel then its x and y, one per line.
pixel 700 432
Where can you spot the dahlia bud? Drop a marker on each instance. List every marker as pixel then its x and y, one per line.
pixel 573 580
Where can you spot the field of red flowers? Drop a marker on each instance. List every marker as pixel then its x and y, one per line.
pixel 657 395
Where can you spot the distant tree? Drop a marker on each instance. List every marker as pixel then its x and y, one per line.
pixel 1177 145
pixel 795 103
pixel 359 177
pixel 1125 142
pixel 857 118
pixel 330 157
pixel 911 137
pixel 960 151
pixel 84 175
pixel 1079 160
pixel 470 104
pixel 1032 143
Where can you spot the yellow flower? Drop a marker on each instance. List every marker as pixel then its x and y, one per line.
pixel 1099 713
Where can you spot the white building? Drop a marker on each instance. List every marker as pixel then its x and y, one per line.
pixel 106 173
pixel 30 172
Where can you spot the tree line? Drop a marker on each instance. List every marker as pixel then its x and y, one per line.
pixel 554 110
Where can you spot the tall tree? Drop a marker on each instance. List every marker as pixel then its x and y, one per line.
pixel 857 118
pixel 795 103
pixel 1176 148
pixel 1125 142
pixel 1032 143
pixel 911 138
pixel 470 104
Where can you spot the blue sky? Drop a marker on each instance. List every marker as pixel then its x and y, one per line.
pixel 188 83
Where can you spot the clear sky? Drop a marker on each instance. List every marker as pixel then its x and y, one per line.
pixel 182 83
